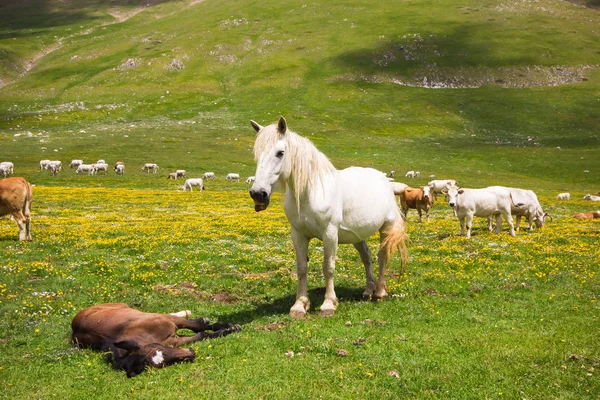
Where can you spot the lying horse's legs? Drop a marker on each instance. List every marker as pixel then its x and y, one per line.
pixel 195 325
pixel 219 330
pixel 365 257
pixel 302 303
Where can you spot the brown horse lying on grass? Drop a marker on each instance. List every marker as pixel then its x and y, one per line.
pixel 137 339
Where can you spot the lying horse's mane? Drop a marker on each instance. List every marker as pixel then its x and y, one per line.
pixel 306 164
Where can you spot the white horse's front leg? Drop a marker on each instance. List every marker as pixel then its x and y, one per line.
pixel 365 256
pixel 330 242
pixel 302 303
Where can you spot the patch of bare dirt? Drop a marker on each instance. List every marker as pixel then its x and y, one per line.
pixel 433 77
pixel 270 327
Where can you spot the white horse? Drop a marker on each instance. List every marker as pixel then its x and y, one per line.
pixel 335 206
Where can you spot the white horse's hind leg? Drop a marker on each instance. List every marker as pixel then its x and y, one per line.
pixel 382 259
pixel 302 303
pixel 330 243
pixel 365 257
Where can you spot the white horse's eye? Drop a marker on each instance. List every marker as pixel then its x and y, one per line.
pixel 279 154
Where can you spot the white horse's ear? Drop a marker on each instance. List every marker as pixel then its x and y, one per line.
pixel 282 125
pixel 257 127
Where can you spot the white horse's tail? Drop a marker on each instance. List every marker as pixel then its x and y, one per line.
pixel 395 238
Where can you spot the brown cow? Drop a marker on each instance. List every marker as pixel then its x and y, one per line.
pixel 15 199
pixel 419 199
pixel 137 339
pixel 587 215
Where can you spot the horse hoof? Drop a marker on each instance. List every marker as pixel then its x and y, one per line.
pixel 326 313
pixel 297 314
pixel 380 296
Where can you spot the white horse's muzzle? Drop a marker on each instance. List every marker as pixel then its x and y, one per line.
pixel 261 199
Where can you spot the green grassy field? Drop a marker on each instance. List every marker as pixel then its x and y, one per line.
pixel 485 92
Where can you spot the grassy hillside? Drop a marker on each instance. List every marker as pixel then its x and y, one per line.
pixel 477 90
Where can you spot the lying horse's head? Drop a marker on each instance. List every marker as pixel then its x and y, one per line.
pixel 132 358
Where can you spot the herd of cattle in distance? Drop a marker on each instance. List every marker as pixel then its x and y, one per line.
pixel 493 202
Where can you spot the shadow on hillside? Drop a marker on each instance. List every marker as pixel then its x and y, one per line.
pixel 282 305
pixel 595 4
pixel 464 45
pixel 22 18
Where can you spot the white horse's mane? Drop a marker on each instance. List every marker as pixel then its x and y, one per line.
pixel 306 164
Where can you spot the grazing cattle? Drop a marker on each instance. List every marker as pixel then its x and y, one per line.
pixel 172 175
pixel 587 215
pixel 233 177
pixel 89 168
pixel 410 174
pixel 75 163
pixel 137 339
pixel 209 175
pixel 53 169
pixel 391 174
pixel 591 197
pixel 150 167
pixel 9 166
pixel 4 171
pixel 57 164
pixel 120 169
pixel 100 167
pixel 193 182
pixel 44 164
pixel 251 179
pixel 418 199
pixel 468 203
pixel 15 200
pixel 529 207
pixel 438 185
pixel 563 196
pixel 180 173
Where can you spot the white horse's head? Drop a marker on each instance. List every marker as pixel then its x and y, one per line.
pixel 272 167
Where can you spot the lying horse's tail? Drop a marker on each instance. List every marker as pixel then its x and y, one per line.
pixel 395 238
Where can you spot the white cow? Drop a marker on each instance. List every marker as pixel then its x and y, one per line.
pixel 100 167
pixel 410 174
pixel 591 197
pixel 180 173
pixel 55 164
pixel 192 182
pixel 468 203
pixel 529 207
pixel 398 187
pixel 439 185
pixel 89 168
pixel 9 166
pixel 209 175
pixel 120 169
pixel 4 171
pixel 44 164
pixel 150 167
pixel 75 163
pixel 172 175
pixel 250 179
pixel 563 196
pixel 233 177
